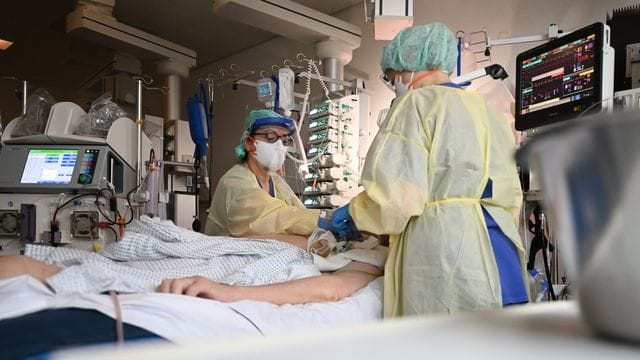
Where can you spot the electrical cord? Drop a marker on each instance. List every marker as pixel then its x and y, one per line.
pixel 152 156
pixel 311 69
pixel 541 243
pixel 317 72
pixel 144 181
pixel 547 270
pixel 100 193
pixel 130 209
pixel 115 233
pixel 594 105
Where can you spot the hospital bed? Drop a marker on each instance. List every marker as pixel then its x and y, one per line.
pixel 179 318
pixel 183 319
pixel 553 330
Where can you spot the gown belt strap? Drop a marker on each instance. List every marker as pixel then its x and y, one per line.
pixel 452 200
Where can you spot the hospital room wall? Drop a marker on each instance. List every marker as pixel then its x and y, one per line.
pixel 501 18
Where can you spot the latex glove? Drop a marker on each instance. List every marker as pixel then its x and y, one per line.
pixel 343 224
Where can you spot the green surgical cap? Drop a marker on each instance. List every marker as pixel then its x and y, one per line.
pixel 422 47
pixel 257 118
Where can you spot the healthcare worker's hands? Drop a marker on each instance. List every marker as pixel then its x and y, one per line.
pixel 343 224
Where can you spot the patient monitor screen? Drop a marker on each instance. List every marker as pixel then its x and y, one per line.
pixel 561 79
pixel 49 166
pixel 559 76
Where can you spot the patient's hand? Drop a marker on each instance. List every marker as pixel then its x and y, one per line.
pixel 15 265
pixel 319 288
pixel 321 247
pixel 197 286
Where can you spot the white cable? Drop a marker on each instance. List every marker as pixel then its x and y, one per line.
pixel 312 68
pixel 324 87
pixel 298 139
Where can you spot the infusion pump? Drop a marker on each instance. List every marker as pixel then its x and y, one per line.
pixel 334 146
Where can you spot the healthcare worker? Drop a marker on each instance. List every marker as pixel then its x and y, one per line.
pixel 251 198
pixel 440 178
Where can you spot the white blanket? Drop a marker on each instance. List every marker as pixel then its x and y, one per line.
pixel 181 318
pixel 152 250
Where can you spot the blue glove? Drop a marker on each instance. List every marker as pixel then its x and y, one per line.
pixel 325 224
pixel 353 233
pixel 343 224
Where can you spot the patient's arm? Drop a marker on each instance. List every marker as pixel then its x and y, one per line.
pixel 15 265
pixel 296 240
pixel 326 287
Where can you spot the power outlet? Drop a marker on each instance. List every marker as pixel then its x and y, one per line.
pixel 84 224
pixel 9 223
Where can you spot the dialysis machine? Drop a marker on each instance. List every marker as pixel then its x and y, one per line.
pixel 59 188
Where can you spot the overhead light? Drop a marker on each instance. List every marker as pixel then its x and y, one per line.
pixel 4 44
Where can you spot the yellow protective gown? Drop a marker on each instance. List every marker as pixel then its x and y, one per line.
pixel 423 177
pixel 240 207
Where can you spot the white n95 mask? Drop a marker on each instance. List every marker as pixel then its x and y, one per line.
pixel 271 156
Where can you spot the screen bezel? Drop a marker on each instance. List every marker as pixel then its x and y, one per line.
pixel 32 151
pixel 569 110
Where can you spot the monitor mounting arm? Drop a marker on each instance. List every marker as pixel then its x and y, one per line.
pixel 553 33
pixel 496 72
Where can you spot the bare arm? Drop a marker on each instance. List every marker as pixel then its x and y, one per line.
pixel 15 265
pixel 296 240
pixel 326 287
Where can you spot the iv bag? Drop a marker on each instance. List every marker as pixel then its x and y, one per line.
pixel 286 80
pixel 266 90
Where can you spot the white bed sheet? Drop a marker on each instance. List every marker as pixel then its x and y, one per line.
pixel 180 318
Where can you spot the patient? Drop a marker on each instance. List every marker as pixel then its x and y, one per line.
pixel 87 326
pixel 326 287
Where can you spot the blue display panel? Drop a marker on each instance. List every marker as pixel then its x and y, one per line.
pixel 49 166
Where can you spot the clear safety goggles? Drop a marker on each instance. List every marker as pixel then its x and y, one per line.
pixel 390 83
pixel 271 137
